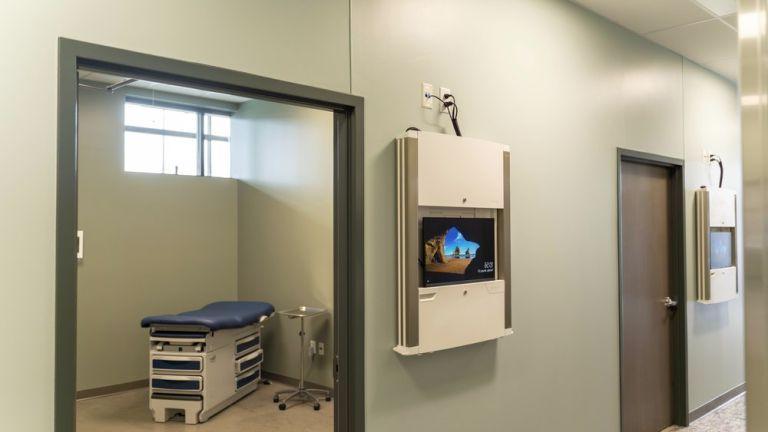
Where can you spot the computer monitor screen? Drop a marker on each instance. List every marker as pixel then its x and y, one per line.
pixel 458 250
pixel 721 249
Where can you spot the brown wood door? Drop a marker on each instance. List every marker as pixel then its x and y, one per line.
pixel 646 330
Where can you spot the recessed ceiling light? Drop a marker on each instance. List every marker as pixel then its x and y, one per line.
pixel 751 24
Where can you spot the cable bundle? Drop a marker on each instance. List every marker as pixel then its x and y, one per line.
pixel 449 102
pixel 716 158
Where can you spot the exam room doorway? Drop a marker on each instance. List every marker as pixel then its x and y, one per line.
pixel 193 151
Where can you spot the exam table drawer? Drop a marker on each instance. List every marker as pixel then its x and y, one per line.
pixel 247 362
pixel 175 383
pixel 247 344
pixel 246 378
pixel 177 364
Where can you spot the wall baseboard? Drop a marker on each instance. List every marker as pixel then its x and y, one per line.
pixel 716 402
pixel 117 388
pixel 293 381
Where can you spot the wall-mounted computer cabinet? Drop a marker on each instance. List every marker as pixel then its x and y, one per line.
pixel 453 242
pixel 717 270
pixel 459 172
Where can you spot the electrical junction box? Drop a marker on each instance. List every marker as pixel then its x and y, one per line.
pixel 716 258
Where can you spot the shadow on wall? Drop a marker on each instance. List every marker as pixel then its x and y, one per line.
pixel 709 318
pixel 478 361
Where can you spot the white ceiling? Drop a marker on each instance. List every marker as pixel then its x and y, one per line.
pixel 107 79
pixel 704 31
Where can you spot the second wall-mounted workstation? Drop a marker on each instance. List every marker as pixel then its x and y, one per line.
pixel 716 242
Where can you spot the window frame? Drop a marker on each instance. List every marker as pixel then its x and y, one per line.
pixel 200 136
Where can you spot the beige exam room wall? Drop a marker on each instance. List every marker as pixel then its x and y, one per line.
pixel 154 243
pixel 282 156
pixel 563 88
pixel 165 244
pixel 558 84
pixel 268 44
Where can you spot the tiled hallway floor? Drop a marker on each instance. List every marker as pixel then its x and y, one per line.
pixel 730 417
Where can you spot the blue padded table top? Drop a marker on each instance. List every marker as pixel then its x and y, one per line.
pixel 217 316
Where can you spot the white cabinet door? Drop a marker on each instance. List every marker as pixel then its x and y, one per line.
pixel 722 208
pixel 460 172
pixel 723 285
pixel 457 315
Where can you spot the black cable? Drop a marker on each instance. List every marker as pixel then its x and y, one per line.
pixel 455 108
pixel 452 103
pixel 456 126
pixel 455 115
pixel 412 128
pixel 716 158
pixel 452 114
pixel 436 97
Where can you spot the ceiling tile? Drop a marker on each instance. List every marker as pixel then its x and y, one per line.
pixel 733 20
pixel 719 7
pixel 703 42
pixel 648 15
pixel 687 27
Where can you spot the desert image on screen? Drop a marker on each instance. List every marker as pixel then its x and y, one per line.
pixel 449 252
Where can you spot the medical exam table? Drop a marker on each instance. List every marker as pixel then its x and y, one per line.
pixel 204 360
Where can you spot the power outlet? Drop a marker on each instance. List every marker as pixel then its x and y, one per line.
pixel 444 91
pixel 426 95
pixel 321 349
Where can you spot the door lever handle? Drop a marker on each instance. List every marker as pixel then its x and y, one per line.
pixel 670 304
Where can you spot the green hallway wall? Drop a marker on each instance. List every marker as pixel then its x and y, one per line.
pixel 715 332
pixel 563 88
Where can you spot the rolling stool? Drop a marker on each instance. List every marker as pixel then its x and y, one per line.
pixel 302 393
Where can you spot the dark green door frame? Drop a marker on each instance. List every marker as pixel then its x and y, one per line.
pixel 679 326
pixel 348 207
